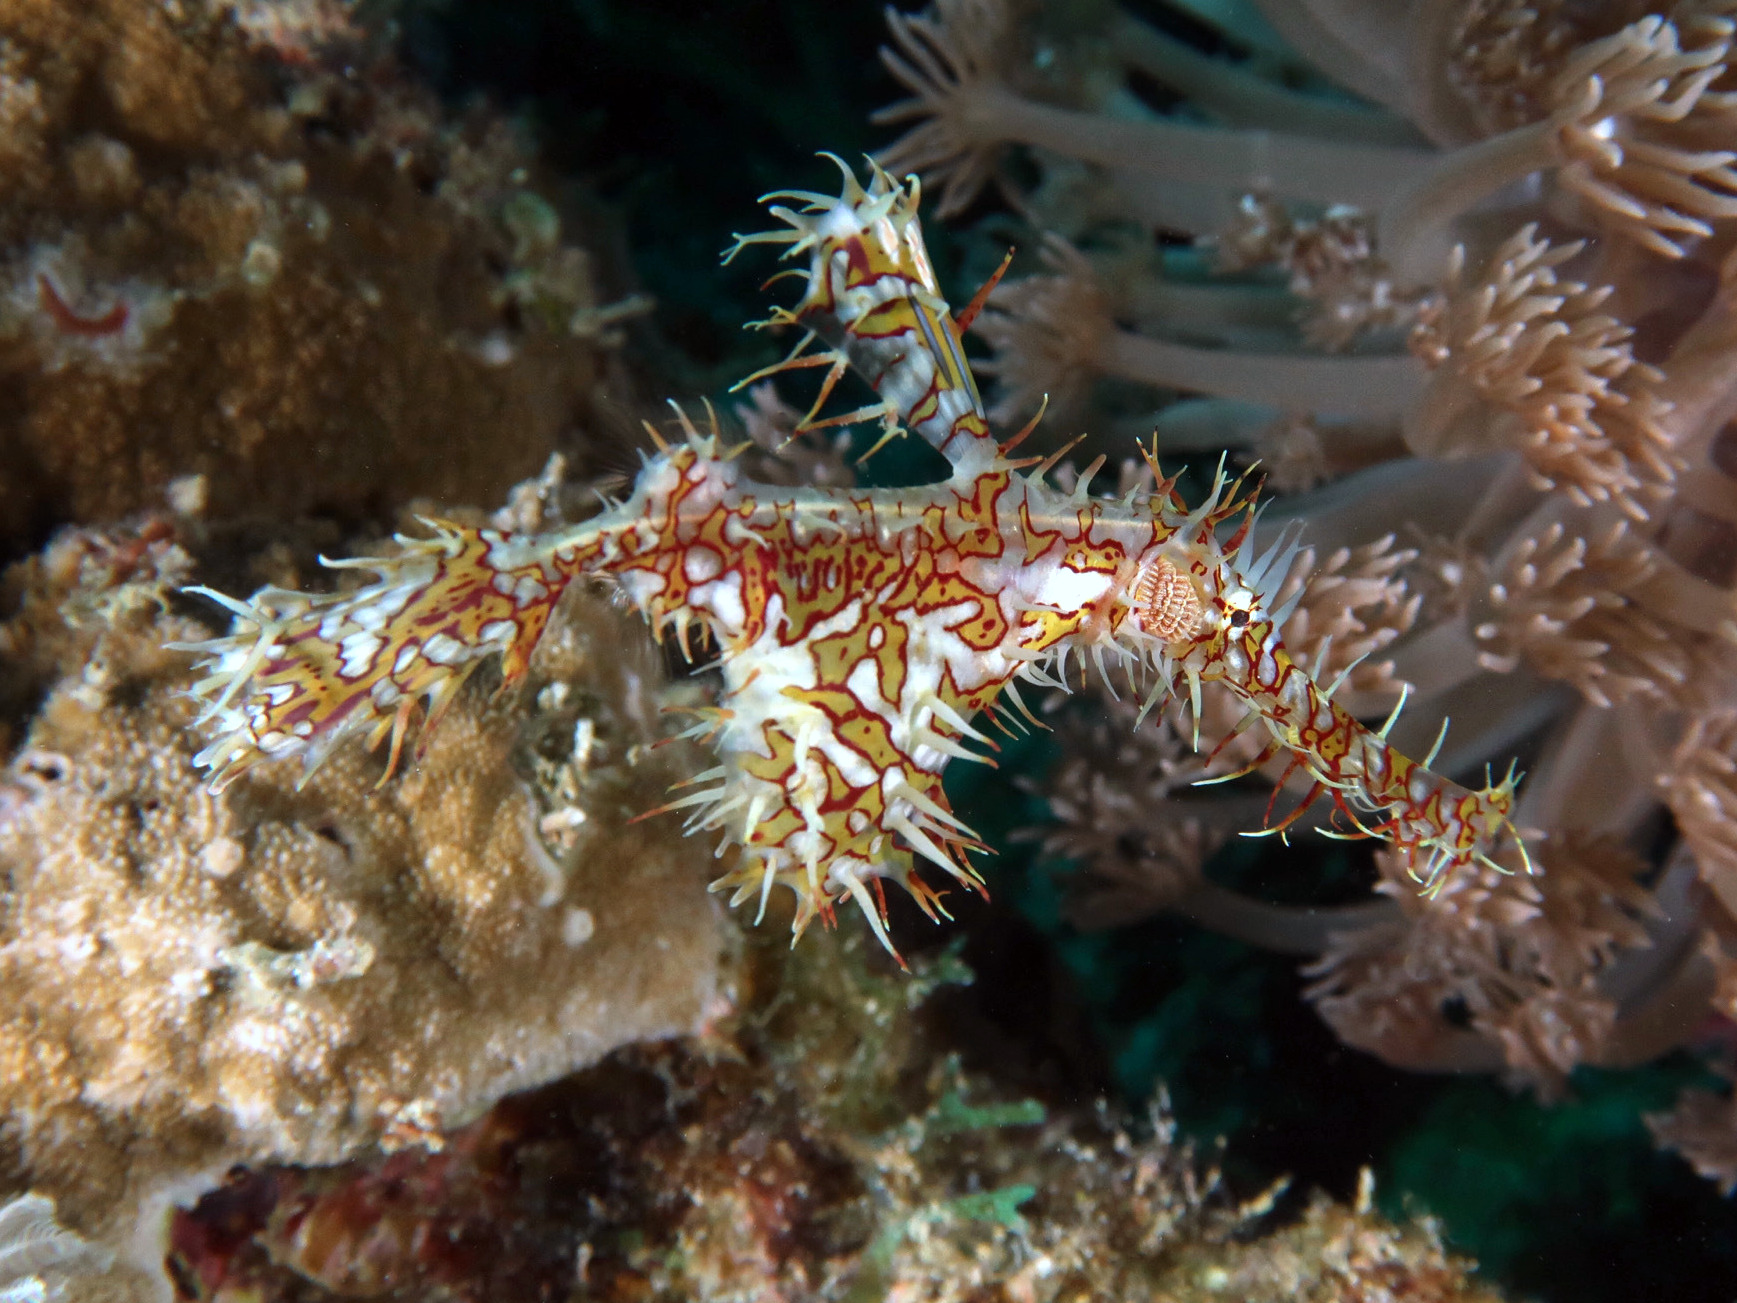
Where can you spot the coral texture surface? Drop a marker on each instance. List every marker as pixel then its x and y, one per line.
pixel 294 974
pixel 228 238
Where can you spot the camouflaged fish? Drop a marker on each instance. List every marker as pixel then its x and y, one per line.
pixel 863 634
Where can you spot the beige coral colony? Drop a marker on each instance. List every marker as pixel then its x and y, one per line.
pixel 1500 395
pixel 1461 275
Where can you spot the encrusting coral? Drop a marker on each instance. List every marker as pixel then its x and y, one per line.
pixel 232 230
pixel 1482 314
pixel 299 973
pixel 248 269
pixel 821 1143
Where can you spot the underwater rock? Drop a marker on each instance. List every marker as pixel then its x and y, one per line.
pixel 233 238
pixel 298 974
pixel 822 1143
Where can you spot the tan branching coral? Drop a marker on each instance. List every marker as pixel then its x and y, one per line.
pixel 959 63
pixel 1701 788
pixel 1054 333
pixel 1504 55
pixel 781 454
pixel 949 63
pixel 1103 794
pixel 1567 607
pixel 1632 136
pixel 1702 1126
pixel 1636 150
pixel 1330 265
pixel 1703 1129
pixel 1049 333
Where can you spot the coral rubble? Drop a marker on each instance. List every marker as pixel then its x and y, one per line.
pixel 821 1144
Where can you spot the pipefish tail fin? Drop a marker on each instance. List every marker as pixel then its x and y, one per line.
pixel 299 673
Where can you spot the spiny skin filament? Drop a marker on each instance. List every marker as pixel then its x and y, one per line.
pixel 861 632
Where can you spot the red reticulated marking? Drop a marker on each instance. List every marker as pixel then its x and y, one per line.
pixel 297 713
pixel 1252 650
pixel 856 262
pixel 342 707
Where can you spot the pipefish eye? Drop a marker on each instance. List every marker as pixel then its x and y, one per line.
pixel 1239 619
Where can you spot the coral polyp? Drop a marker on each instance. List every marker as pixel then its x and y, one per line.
pixel 860 631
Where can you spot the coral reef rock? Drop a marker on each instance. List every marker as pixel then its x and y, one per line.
pixel 297 973
pixel 232 234
pixel 821 1144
